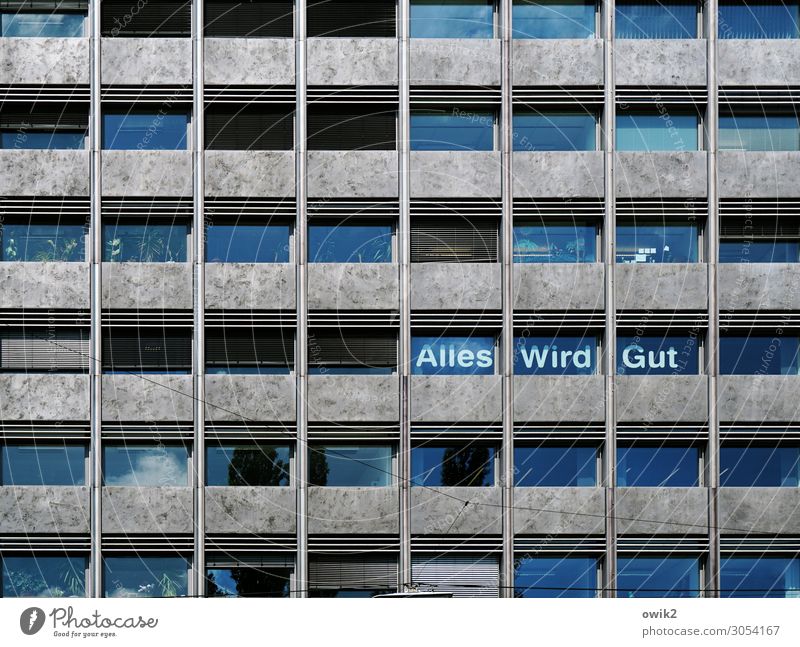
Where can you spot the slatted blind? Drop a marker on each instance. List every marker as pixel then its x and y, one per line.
pixel 43 6
pixel 256 127
pixel 371 18
pixel 155 18
pixel 253 18
pixel 765 228
pixel 351 128
pixel 44 349
pixel 362 349
pixel 464 577
pixel 58 117
pixel 144 350
pixel 249 348
pixel 454 240
pixel 345 573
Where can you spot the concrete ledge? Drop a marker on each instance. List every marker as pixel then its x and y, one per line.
pixel 44 396
pixel 558 286
pixel 456 398
pixel 251 510
pixel 44 173
pixel 759 398
pixel 248 61
pixel 353 510
pixel 761 510
pixel 369 398
pixel 44 285
pixel 166 398
pixel 434 511
pixel 657 63
pixel 34 509
pixel 353 286
pixel 147 173
pixel 758 62
pixel 245 174
pixel 455 286
pixel 448 174
pixel 662 398
pixel 146 61
pixel 248 398
pixel 147 286
pixel 455 61
pixel 558 174
pixel 557 62
pixel 559 398
pixel 758 286
pixel 758 174
pixel 44 61
pixel 250 286
pixel 661 174
pixel 352 174
pixel 138 510
pixel 662 511
pixel 661 286
pixel 554 511
pixel 352 61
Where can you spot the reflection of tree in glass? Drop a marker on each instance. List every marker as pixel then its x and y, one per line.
pixel 467 466
pixel 250 582
pixel 318 468
pixel 32 585
pixel 257 466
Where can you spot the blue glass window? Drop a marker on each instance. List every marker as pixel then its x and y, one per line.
pixel 42 140
pixel 45 242
pixel 145 242
pixel 44 576
pixel 42 25
pixel 759 132
pixel 555 131
pixel 257 465
pixel 452 19
pixel 759 19
pixel 759 251
pixel 145 131
pixel 560 355
pixel 453 355
pixel 668 355
pixel 263 581
pixel 145 465
pixel 758 466
pixel 656 19
pixel 350 242
pixel 760 577
pixel 456 130
pixel 247 243
pixel 350 465
pixel 758 355
pixel 43 465
pixel 657 132
pixel 462 465
pixel 658 577
pixel 556 577
pixel 145 577
pixel 572 241
pixel 555 466
pixel 556 19
pixel 657 242
pixel 658 466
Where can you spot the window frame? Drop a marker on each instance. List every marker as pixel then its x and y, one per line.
pixel 45 443
pixel 701 467
pixel 458 444
pixel 492 110
pixel 562 444
pixel 154 444
pixel 495 20
pixel 356 221
pixel 700 11
pixel 115 110
pixel 597 23
pixel 326 445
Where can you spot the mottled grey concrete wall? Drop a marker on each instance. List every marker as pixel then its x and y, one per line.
pixel 662 398
pixel 455 286
pixel 147 286
pixel 435 511
pixel 758 286
pixel 134 510
pixel 353 286
pixel 44 396
pixel 147 173
pixel 562 174
pixel 356 398
pixel 648 62
pixel 557 62
pixel 756 509
pixel 44 173
pixel 455 61
pixel 267 174
pixel 661 286
pixel 559 398
pixel 248 61
pixel 352 174
pixel 563 510
pixel 248 398
pixel 758 174
pixel 352 61
pixel 45 61
pixel 44 509
pixel 251 510
pixel 456 398
pixel 661 174
pixel 146 61
pixel 250 286
pixel 151 397
pixel 454 174
pixel 758 62
pixel 757 398
pixel 662 511
pixel 558 286
pixel 353 510
pixel 44 285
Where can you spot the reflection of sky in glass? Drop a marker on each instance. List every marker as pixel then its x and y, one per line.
pixel 451 19
pixel 351 466
pixel 572 355
pixel 144 243
pixel 136 131
pixel 554 131
pixel 656 132
pixel 668 19
pixel 559 19
pixel 28 242
pixel 40 576
pixel 757 466
pixel 247 244
pixel 445 131
pixel 758 355
pixel 345 243
pixel 664 242
pixel 145 466
pixel 33 140
pixel 658 577
pixel 761 19
pixel 759 133
pixel 759 251
pixel 555 242
pixel 42 25
pixel 556 577
pixel 555 466
pixel 440 355
pixel 657 466
pixel 145 577
pixel 247 465
pixel 43 465
pixel 760 577
pixel 455 465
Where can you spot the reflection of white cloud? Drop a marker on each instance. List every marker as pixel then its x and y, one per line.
pixel 155 468
pixel 123 592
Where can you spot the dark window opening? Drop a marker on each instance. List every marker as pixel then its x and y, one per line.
pixel 162 19
pixel 343 18
pixel 257 127
pixel 353 352
pixel 253 19
pixel 454 240
pixel 146 350
pixel 350 127
pixel 249 351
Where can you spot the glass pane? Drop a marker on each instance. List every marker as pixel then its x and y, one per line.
pixel 145 243
pixel 247 243
pixel 145 466
pixel 457 131
pixel 654 19
pixel 261 465
pixel 148 132
pixel 344 243
pixel 555 466
pixel 758 355
pixel 760 577
pixel 452 355
pixel 244 581
pixel 759 133
pixel 660 242
pixel 454 465
pixel 42 25
pixel 350 466
pixel 657 466
pixel 27 242
pixel 556 577
pixel 145 577
pixel 669 355
pixel 44 577
pixel 756 466
pixel 555 131
pixel 452 19
pixel 555 242
pixel 560 355
pixel 42 140
pixel 557 19
pixel 758 19
pixel 348 593
pixel 658 577
pixel 43 465
pixel 759 251
pixel 656 132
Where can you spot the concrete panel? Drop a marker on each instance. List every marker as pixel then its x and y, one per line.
pixel 558 174
pixel 456 398
pixel 759 509
pixel 662 511
pixel 147 286
pixel 555 511
pixel 146 61
pixel 248 398
pixel 758 62
pixel 251 510
pixel 661 286
pixel 661 174
pixel 455 61
pixel 248 61
pixel 44 173
pixel 356 398
pixel 558 286
pixel 662 398
pixel 559 398
pixel 134 510
pixel 353 511
pixel 758 286
pixel 260 174
pixel 658 63
pixel 459 174
pixel 44 396
pixel 147 173
pixel 455 286
pixel 44 61
pixel 33 509
pixel 352 61
pixel 44 285
pixel 352 174
pixel 757 398
pixel 165 398
pixel 758 174
pixel 557 62
pixel 353 286
pixel 434 511
pixel 250 286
